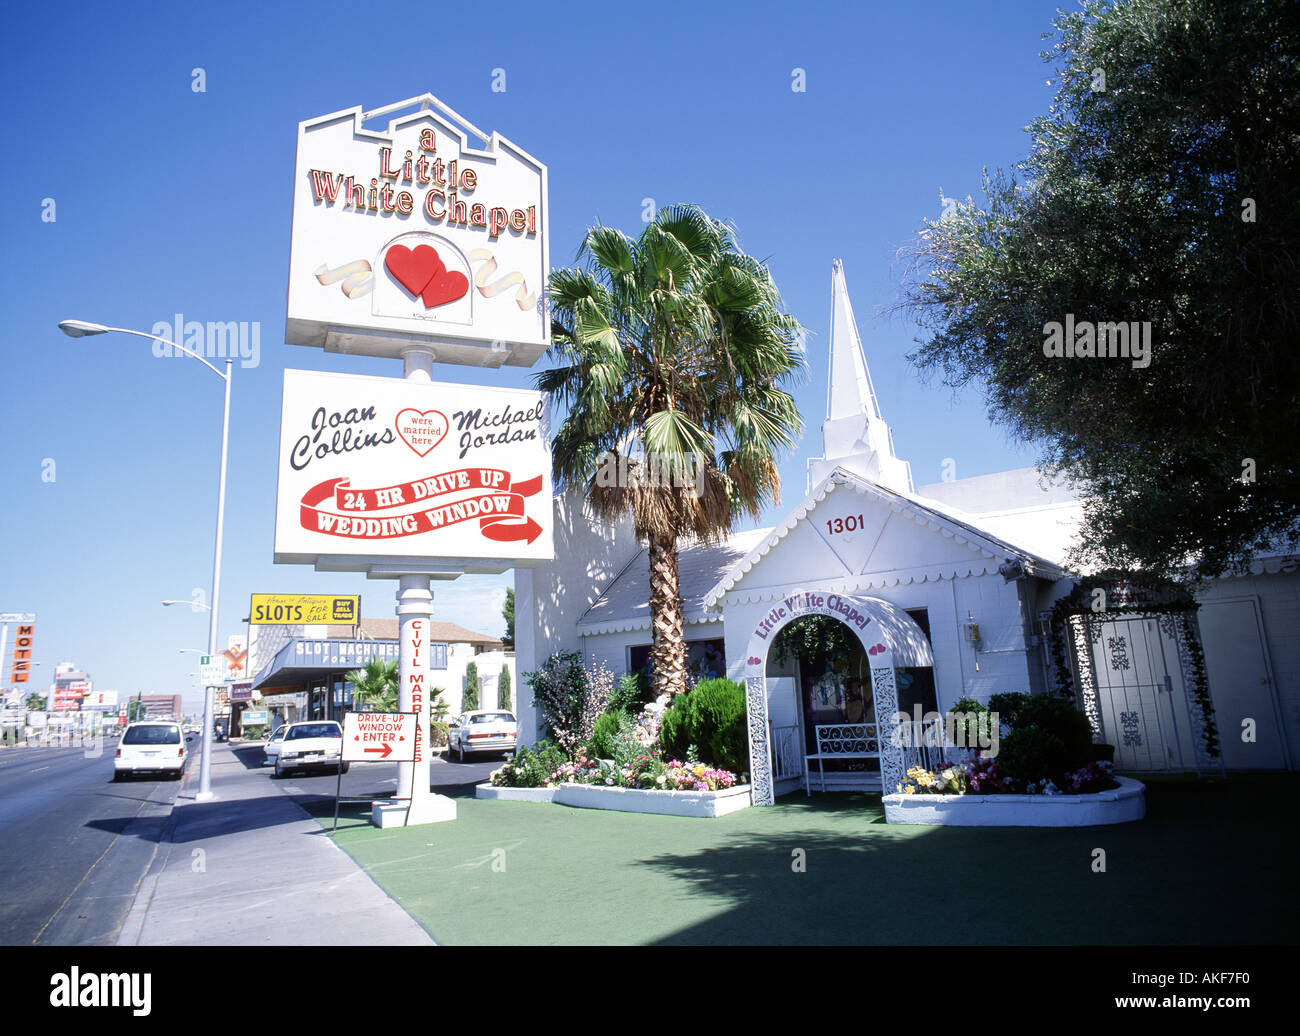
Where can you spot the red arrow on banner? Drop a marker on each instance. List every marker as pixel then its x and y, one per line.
pixel 386 749
pixel 502 531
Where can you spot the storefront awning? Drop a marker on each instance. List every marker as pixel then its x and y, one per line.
pixel 301 660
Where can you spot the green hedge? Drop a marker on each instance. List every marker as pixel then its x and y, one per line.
pixel 710 717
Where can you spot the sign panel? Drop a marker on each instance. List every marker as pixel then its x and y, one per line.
pixel 241 691
pixel 100 700
pixel 388 468
pixel 235 658
pixel 25 636
pixel 68 695
pixel 212 670
pixel 304 610
pixel 377 737
pixel 428 229
pixel 253 718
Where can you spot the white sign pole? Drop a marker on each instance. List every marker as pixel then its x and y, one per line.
pixel 414 613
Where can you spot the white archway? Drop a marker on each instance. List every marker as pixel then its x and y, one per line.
pixel 889 636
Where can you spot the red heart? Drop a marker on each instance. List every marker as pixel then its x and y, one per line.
pixel 420 433
pixel 414 268
pixel 446 286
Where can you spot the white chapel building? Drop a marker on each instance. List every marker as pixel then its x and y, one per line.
pixel 950 588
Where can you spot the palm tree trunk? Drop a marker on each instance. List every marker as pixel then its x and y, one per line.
pixel 668 650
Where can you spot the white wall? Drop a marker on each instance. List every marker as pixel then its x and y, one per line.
pixel 489 663
pixel 550 599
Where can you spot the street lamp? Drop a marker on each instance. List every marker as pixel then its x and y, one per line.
pixel 192 604
pixel 81 329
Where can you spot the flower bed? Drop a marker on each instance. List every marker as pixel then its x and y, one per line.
pixel 1118 805
pixel 628 800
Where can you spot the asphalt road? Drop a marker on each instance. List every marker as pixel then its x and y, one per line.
pixel 373 780
pixel 74 846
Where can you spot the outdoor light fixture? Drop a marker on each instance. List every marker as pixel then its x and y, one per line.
pixel 81 328
pixel 972 630
pixel 1011 570
pixel 1045 623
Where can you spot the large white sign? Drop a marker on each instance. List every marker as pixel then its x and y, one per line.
pixel 430 229
pixel 376 737
pixel 385 468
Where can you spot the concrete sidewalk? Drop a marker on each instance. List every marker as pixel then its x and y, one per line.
pixel 251 868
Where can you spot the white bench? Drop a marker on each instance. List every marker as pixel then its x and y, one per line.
pixel 839 741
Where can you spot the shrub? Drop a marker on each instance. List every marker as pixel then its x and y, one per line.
pixel 437 734
pixel 969 724
pixel 1030 754
pixel 253 733
pixel 503 688
pixel 570 697
pixel 632 693
pixel 470 701
pixel 710 716
pixel 606 727
pixel 531 767
pixel 1061 718
pixel 1008 705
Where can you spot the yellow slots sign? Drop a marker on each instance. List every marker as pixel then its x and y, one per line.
pixel 303 610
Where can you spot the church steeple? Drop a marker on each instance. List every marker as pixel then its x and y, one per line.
pixel 854 435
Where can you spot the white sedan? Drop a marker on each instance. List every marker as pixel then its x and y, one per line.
pixel 486 731
pixel 273 745
pixel 314 745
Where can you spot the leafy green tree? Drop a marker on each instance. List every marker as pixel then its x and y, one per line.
pixel 135 710
pixel 503 688
pixel 1163 185
pixel 508 613
pixel 672 351
pixel 375 686
pixel 35 702
pixel 470 701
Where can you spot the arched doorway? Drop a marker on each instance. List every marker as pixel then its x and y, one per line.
pixel 888 636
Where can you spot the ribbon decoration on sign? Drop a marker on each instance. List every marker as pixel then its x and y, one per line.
pixel 356 276
pixel 494 502
pixel 522 297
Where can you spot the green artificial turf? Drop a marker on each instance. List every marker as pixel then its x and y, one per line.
pixel 1197 871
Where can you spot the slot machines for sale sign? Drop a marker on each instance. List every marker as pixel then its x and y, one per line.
pixel 373 469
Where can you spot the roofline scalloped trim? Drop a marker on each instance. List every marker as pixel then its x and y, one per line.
pixel 641 623
pixel 838 478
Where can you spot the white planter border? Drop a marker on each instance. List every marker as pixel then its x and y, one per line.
pixel 629 800
pixel 1115 806
pixel 488 791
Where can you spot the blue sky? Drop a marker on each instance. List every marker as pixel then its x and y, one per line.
pixel 170 201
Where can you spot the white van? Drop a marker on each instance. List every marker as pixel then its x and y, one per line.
pixel 157 747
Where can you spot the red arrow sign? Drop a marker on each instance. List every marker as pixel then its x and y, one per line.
pixel 386 749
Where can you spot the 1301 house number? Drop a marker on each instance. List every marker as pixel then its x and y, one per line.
pixel 850 524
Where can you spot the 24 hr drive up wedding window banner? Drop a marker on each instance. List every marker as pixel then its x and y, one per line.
pixel 380 468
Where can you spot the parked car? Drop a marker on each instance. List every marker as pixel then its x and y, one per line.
pixel 273 745
pixel 151 747
pixel 480 732
pixel 313 745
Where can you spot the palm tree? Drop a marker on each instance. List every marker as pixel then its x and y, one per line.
pixel 672 350
pixel 375 686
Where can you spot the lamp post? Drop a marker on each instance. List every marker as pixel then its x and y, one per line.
pixel 81 329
